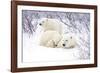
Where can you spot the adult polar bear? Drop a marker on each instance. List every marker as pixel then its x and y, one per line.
pixel 51 24
pixel 52 35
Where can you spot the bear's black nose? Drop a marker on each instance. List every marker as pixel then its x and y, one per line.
pixel 63 44
pixel 55 45
pixel 40 24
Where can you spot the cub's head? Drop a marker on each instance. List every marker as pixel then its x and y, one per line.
pixel 67 42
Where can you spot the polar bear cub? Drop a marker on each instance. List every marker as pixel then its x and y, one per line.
pixel 51 24
pixel 50 38
pixel 67 42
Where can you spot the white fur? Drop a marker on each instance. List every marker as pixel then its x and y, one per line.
pixel 51 24
pixel 50 38
pixel 68 41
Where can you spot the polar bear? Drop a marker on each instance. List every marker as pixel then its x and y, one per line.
pixel 67 42
pixel 50 38
pixel 51 24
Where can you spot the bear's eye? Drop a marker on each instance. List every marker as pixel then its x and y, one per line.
pixel 66 40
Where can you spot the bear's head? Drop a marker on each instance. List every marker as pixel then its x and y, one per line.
pixel 45 22
pixel 48 24
pixel 67 42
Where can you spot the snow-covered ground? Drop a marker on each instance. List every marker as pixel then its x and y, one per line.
pixel 32 52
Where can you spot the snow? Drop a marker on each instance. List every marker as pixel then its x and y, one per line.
pixel 32 52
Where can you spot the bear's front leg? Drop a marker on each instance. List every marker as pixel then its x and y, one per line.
pixel 50 44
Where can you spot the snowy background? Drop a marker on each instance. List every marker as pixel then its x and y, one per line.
pixel 75 23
